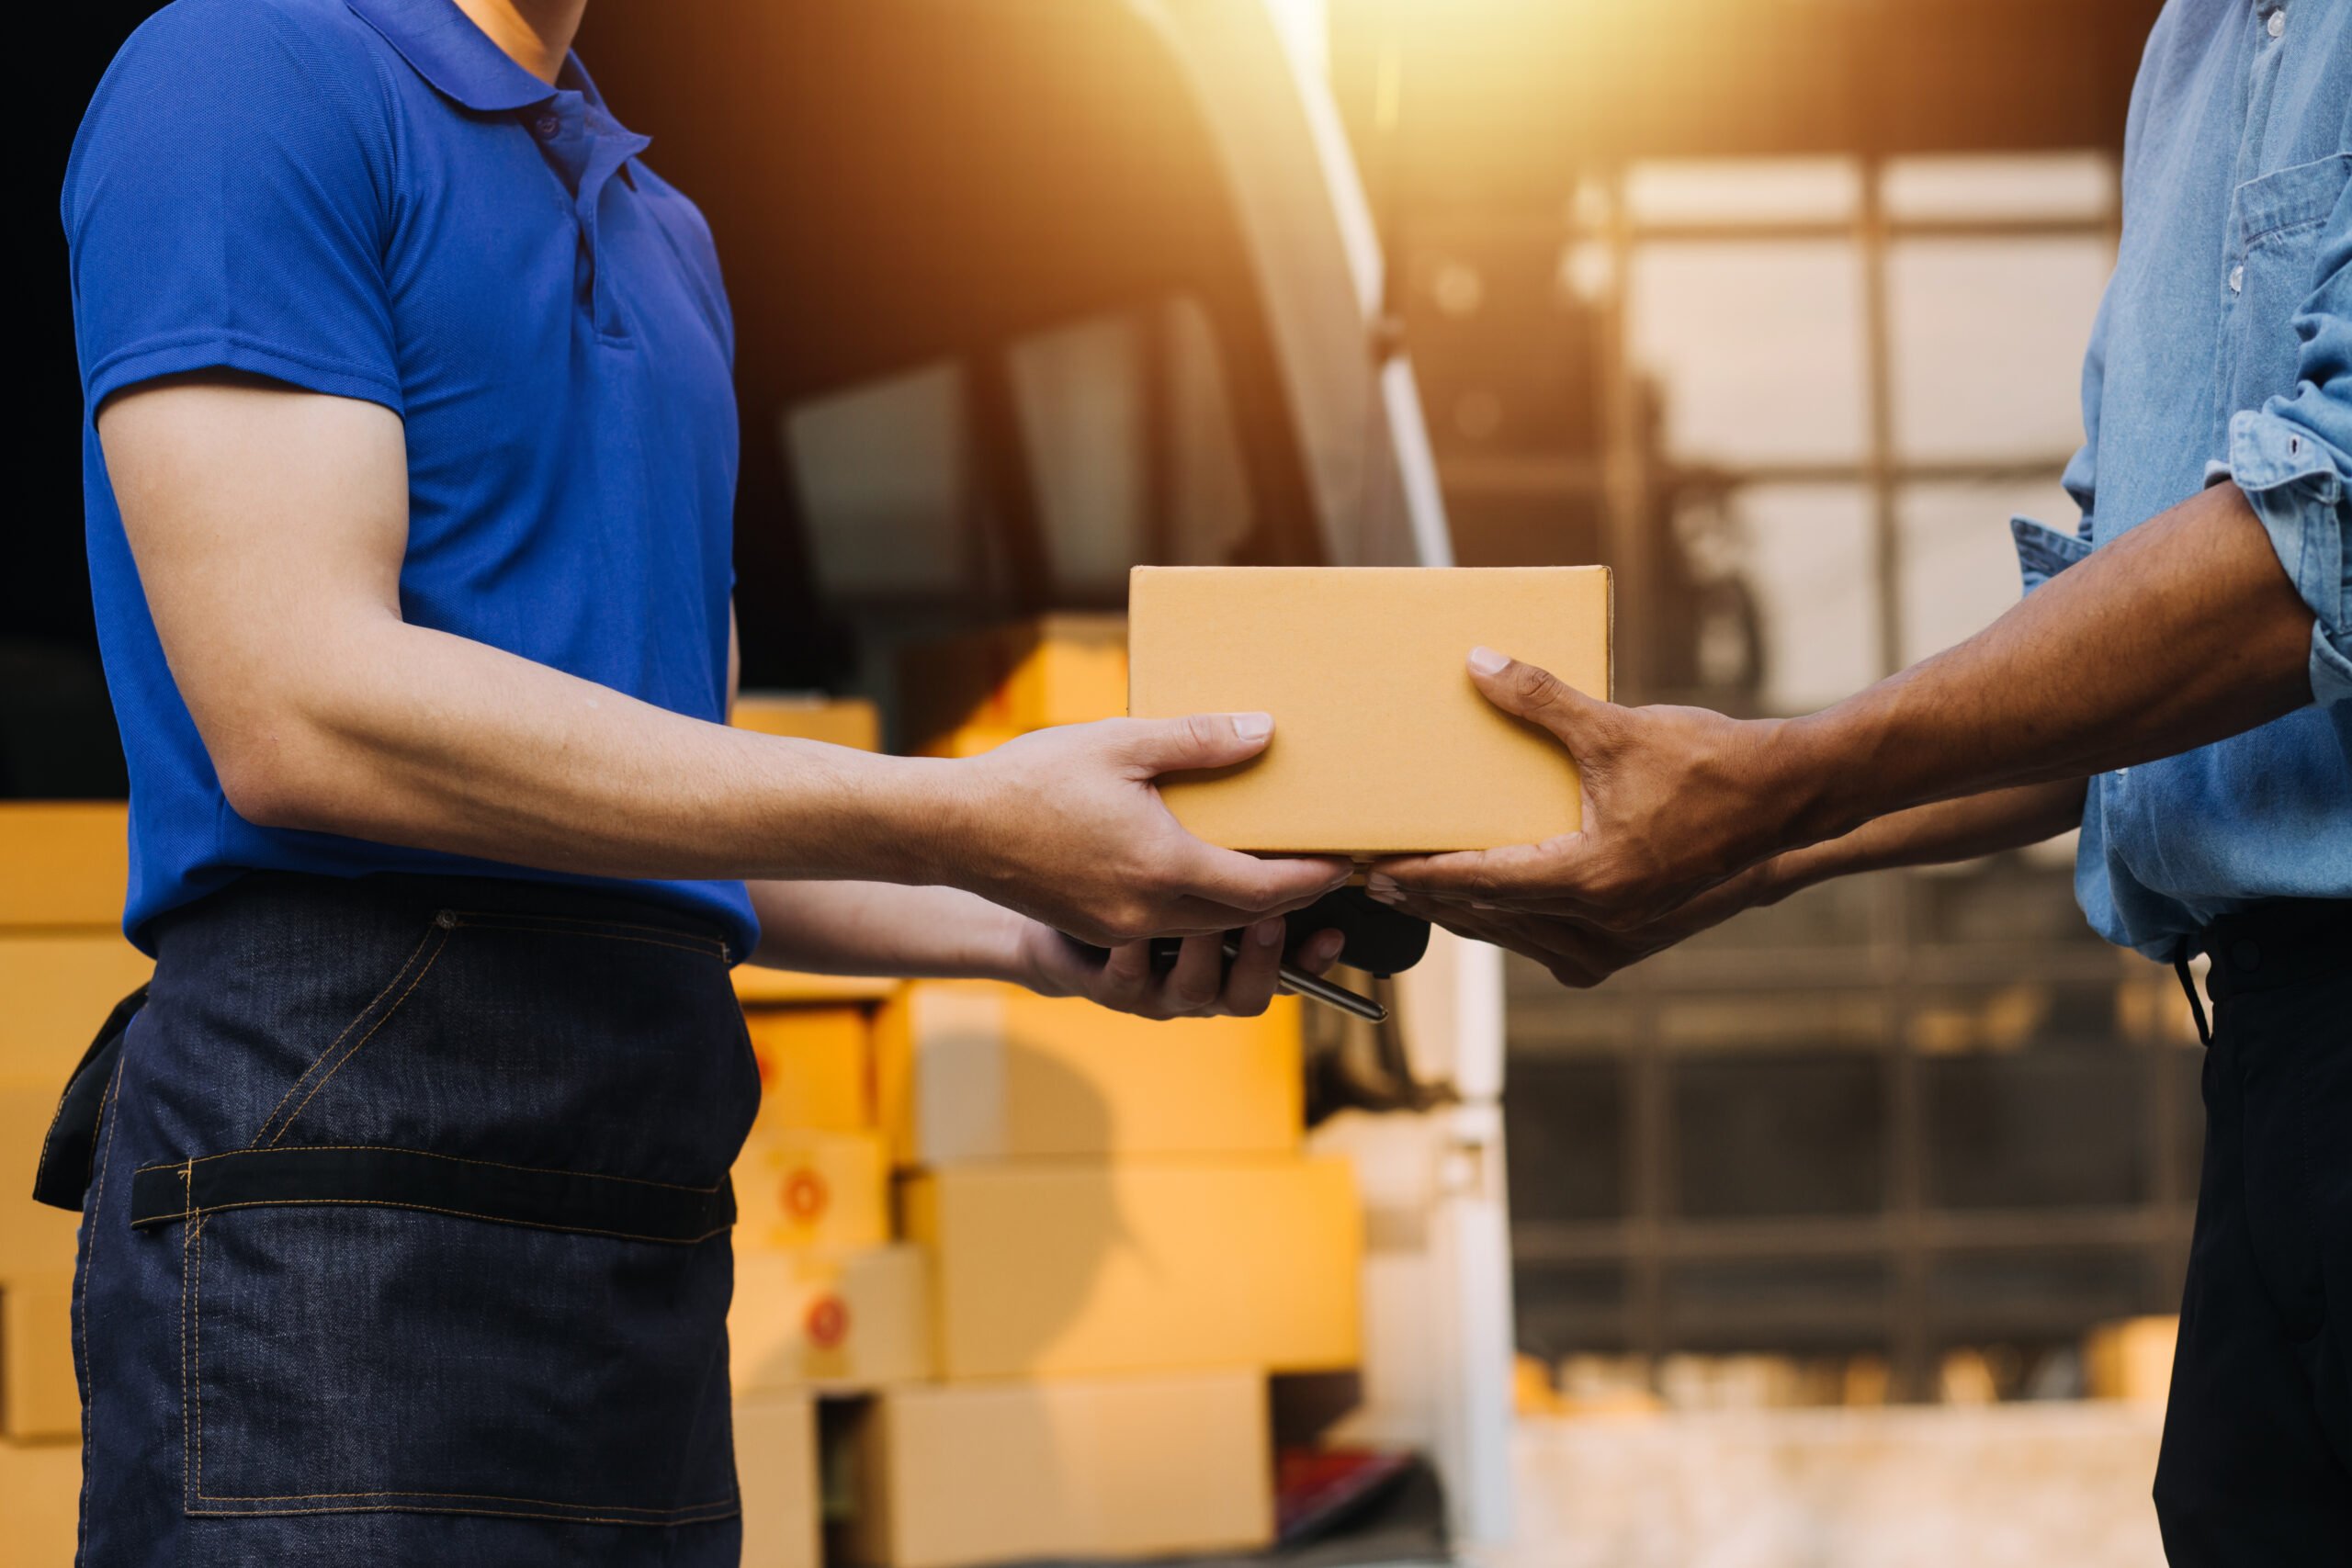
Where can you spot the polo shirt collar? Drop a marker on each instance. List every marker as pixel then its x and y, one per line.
pixel 442 42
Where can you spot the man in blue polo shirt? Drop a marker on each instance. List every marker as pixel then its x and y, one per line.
pixel 410 468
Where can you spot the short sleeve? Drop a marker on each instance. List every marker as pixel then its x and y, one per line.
pixel 228 202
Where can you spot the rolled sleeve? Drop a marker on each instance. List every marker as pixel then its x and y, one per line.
pixel 2043 552
pixel 2294 481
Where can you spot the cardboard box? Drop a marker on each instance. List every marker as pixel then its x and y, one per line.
pixel 775 1466
pixel 38 1394
pixel 969 741
pixel 63 864
pixel 837 1320
pixel 2131 1359
pixel 1382 745
pixel 836 721
pixel 816 1066
pixel 973 1070
pixel 34 1239
pixel 41 1503
pixel 1076 1269
pixel 759 986
pixel 58 988
pixel 1053 669
pixel 795 1188
pixel 956 1477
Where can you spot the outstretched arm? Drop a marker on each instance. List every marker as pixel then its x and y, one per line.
pixel 269 525
pixel 2182 632
pixel 1579 952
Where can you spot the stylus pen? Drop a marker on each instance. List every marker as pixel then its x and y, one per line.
pixel 1299 983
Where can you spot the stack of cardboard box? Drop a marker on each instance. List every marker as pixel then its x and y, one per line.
pixel 1121 1234
pixel 64 964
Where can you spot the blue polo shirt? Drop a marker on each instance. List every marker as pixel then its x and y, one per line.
pixel 369 200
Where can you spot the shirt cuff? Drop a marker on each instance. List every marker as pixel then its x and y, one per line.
pixel 2043 552
pixel 2294 484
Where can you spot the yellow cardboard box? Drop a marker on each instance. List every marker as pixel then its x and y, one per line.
pixel 1381 742
pixel 837 1320
pixel 1074 1268
pixel 776 1465
pixel 2131 1359
pixel 34 1239
pixel 1066 668
pixel 816 1066
pixel 837 721
pixel 63 864
pixel 39 1395
pixel 957 1477
pixel 975 1070
pixel 795 1188
pixel 41 1503
pixel 56 988
pixel 758 987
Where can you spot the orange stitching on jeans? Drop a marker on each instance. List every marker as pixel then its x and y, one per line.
pixel 554 926
pixel 108 1104
pixel 729 1512
pixel 196 1225
pixel 456 1213
pixel 347 1029
pixel 386 1018
pixel 396 1149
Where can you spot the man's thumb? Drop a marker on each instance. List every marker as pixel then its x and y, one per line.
pixel 1536 695
pixel 1202 740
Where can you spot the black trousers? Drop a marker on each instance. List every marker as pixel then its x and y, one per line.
pixel 2257 1466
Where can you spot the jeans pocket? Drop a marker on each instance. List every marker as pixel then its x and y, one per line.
pixel 367 1357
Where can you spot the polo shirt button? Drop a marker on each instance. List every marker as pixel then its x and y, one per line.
pixel 545 126
pixel 2246 955
pixel 2237 279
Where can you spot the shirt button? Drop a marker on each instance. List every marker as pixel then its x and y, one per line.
pixel 545 126
pixel 2278 23
pixel 2237 279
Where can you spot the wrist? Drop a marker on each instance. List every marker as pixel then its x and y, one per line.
pixel 1813 781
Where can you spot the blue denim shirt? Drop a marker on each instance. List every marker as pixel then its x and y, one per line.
pixel 2223 353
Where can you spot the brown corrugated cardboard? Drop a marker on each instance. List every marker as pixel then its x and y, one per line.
pixel 837 1320
pixel 41 1503
pixel 1078 1267
pixel 34 1239
pixel 63 864
pixel 1053 669
pixel 972 1070
pixel 775 1466
pixel 794 1187
pixel 1382 745
pixel 58 986
pixel 957 1477
pixel 816 1066
pixel 836 721
pixel 39 1396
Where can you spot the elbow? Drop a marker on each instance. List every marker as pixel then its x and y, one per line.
pixel 276 776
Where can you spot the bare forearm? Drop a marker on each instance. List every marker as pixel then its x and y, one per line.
pixel 1935 834
pixel 2184 631
pixel 401 735
pixel 864 928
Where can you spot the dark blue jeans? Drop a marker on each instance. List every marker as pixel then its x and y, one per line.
pixel 405 1240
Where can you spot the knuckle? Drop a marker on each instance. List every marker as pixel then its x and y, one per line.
pixel 1536 686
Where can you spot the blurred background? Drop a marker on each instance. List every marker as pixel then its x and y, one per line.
pixel 1824 1231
